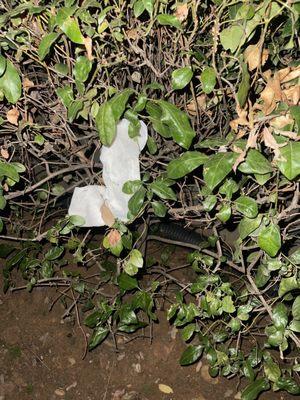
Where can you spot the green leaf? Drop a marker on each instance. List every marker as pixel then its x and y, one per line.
pixel 244 87
pixel 288 284
pixel 217 168
pixel 170 20
pixel 65 93
pixel 269 239
pixel 46 43
pixel 126 282
pixel 54 253
pixel 289 385
pixel 10 83
pixel 190 355
pixel 82 68
pixel 138 8
pixel 8 170
pixel 280 316
pixel 249 225
pixel 225 213
pixel 106 124
pixel 74 108
pixel 181 77
pixel 134 262
pixel 252 391
pixel 228 188
pixel 296 308
pixel 162 190
pixel 178 123
pixel 69 25
pixel 185 164
pixel 228 305
pixel 99 334
pixel 130 187
pixel 118 103
pixel 77 220
pixel 255 163
pixel 295 113
pixel 295 325
pixel 295 257
pixel 2 65
pixel 246 206
pixel 151 145
pixel 271 369
pixel 290 167
pixel 136 202
pixel 231 37
pixel 188 331
pixel 159 208
pixel 208 79
pixel 149 5
pixel 209 202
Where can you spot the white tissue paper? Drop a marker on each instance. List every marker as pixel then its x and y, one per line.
pixel 98 204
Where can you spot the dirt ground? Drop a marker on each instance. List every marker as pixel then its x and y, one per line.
pixel 41 358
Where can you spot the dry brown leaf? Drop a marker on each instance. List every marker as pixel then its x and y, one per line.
pixel 4 153
pixel 107 215
pixel 287 74
pixel 241 157
pixel 113 237
pixel 290 135
pixel 27 84
pixel 292 95
pixel 270 142
pixel 12 116
pixel 201 102
pixel 182 12
pixel 88 47
pixel 281 121
pixel 165 388
pixel 132 34
pixel 255 57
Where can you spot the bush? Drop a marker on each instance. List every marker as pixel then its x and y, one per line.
pixel 218 85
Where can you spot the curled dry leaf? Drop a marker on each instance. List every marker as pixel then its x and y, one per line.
pixel 27 84
pixel 113 237
pixel 200 102
pixel 292 95
pixel 165 388
pixel 182 12
pixel 281 121
pixel 107 215
pixel 255 57
pixel 13 116
pixel 132 34
pixel 289 73
pixel 242 119
pixel 270 142
pixel 88 47
pixel 4 153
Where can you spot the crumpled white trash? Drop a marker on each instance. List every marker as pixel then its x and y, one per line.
pixel 97 204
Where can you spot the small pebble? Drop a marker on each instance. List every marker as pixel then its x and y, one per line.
pixel 59 392
pixel 72 361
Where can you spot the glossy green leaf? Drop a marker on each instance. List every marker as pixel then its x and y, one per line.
pixel 280 316
pixel 99 334
pixel 246 206
pixel 46 43
pixel 136 202
pixel 54 253
pixel 8 170
pixel 126 282
pixel 295 113
pixel 271 370
pixel 208 79
pixel 269 239
pixel 249 225
pixel 295 325
pixel 288 284
pixel 65 93
pixel 69 25
pixel 181 77
pixel 209 202
pixel 169 20
pixel 77 220
pixel 228 305
pixel 82 68
pixel 188 331
pixel 217 168
pixel 2 202
pixel 134 262
pixel 130 187
pixel 296 308
pixel 106 124
pixel 252 391
pixel 231 37
pixel 190 355
pixel 289 385
pixel 10 83
pixel 161 189
pixel 244 86
pixel 178 123
pixel 290 167
pixel 185 164
pixel 295 257
pixel 2 65
pixel 159 208
pixel 225 213
pixel 255 163
pixel 118 103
